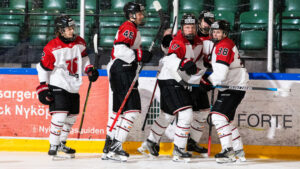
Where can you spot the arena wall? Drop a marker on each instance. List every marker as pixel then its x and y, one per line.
pixel 268 121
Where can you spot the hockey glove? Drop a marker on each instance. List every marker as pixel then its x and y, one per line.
pixel 45 96
pixel 188 66
pixel 92 73
pixel 205 83
pixel 143 55
pixel 207 61
pixel 166 41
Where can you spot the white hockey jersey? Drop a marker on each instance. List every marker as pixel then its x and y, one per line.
pixel 227 66
pixel 181 48
pixel 62 65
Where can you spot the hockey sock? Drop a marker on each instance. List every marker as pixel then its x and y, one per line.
pixel 183 126
pixel 69 122
pixel 224 130
pixel 159 126
pixel 57 123
pixel 125 125
pixel 197 125
pixel 236 138
pixel 110 121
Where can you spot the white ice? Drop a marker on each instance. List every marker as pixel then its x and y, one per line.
pixel 39 160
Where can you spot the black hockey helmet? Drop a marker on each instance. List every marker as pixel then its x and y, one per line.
pixel 208 17
pixel 188 19
pixel 62 22
pixel 131 8
pixel 221 24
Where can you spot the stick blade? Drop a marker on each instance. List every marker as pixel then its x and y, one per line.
pixel 156 5
pixel 95 41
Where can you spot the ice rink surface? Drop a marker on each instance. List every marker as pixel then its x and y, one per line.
pixel 37 160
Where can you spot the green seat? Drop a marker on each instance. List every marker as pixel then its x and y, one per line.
pixel 40 39
pixel 109 21
pixel 10 22
pixel 254 20
pixel 259 5
pixel 107 40
pixel 253 40
pixel 9 35
pixel 148 31
pixel 228 5
pixel 225 15
pixel 108 31
pixel 289 21
pixel 291 40
pixel 42 30
pixel 292 5
pixel 147 40
pixel 42 17
pixel 191 5
pixel 19 4
pixel 150 7
pixel 117 5
pixel 54 5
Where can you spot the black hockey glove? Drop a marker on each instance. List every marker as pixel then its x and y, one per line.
pixel 92 73
pixel 207 61
pixel 45 96
pixel 143 55
pixel 205 83
pixel 188 66
pixel 166 41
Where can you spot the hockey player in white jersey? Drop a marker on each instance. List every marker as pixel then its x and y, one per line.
pixel 178 69
pixel 60 72
pixel 125 55
pixel 227 70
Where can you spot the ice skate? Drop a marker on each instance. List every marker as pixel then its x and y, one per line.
pixel 194 147
pixel 226 156
pixel 151 146
pixel 69 152
pixel 180 155
pixel 240 155
pixel 53 153
pixel 116 152
pixel 108 141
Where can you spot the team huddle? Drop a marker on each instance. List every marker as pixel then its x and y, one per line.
pixel 201 44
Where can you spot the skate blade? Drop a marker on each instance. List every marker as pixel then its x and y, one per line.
pixel 179 159
pixel 204 155
pixel 142 150
pixel 241 159
pixel 112 156
pixel 225 160
pixel 104 156
pixel 62 157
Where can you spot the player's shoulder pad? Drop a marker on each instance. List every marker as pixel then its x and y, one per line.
pixel 177 47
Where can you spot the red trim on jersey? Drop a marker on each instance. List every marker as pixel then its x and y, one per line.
pixel 87 67
pixel 159 125
pixel 139 54
pixel 225 135
pixel 224 52
pixel 156 133
pixel 220 115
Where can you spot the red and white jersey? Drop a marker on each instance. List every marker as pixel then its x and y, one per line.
pixel 227 66
pixel 62 64
pixel 127 39
pixel 181 48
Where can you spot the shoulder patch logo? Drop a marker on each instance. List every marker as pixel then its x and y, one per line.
pixel 175 46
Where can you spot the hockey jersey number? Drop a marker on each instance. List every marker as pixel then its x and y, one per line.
pixel 72 66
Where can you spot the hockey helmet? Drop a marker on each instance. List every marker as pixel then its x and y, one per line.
pixel 221 24
pixel 207 16
pixel 62 22
pixel 188 19
pixel 131 8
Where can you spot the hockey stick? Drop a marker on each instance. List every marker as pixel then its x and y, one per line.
pixel 95 41
pixel 153 93
pixel 140 67
pixel 209 122
pixel 244 88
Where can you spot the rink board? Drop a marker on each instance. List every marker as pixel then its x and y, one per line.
pixel 268 121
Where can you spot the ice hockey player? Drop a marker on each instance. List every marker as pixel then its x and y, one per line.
pixel 206 18
pixel 125 56
pixel 178 69
pixel 227 70
pixel 60 70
